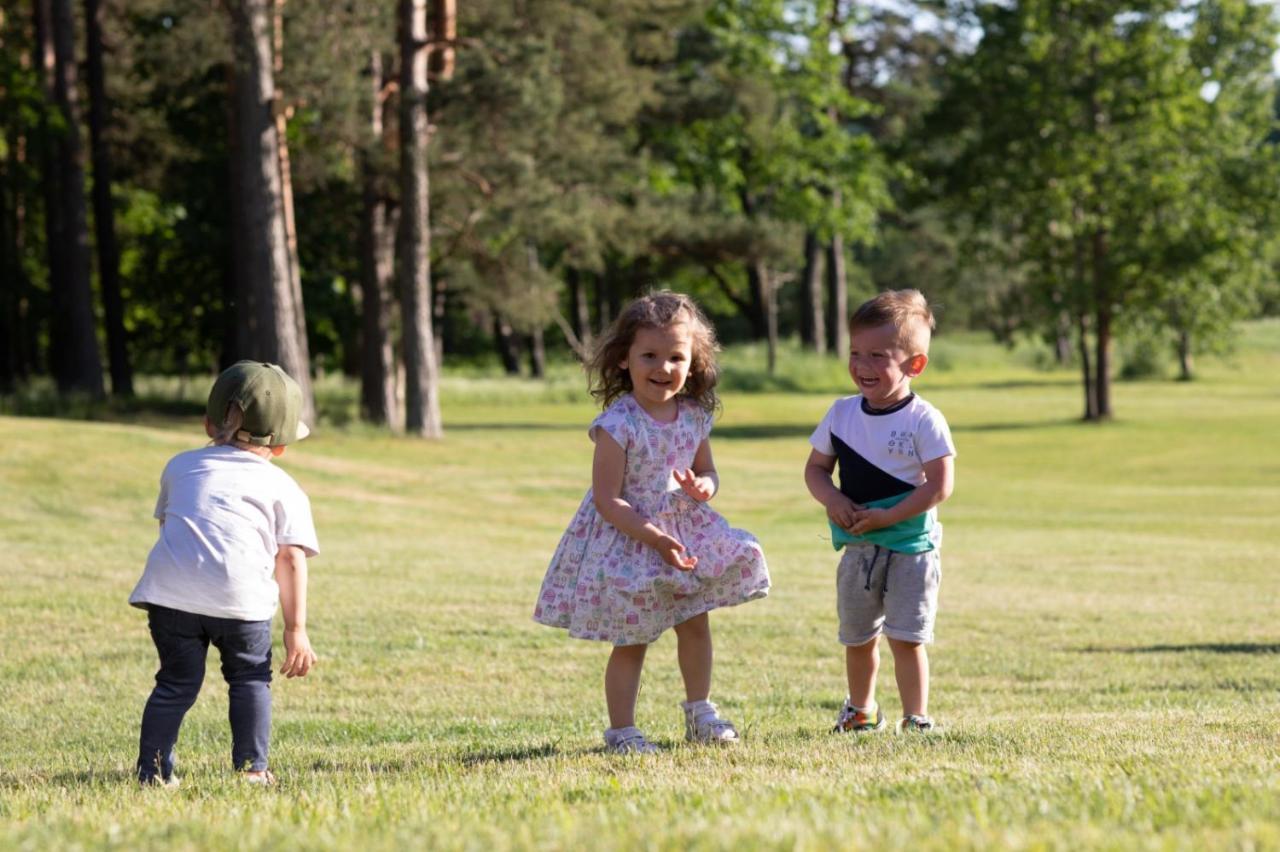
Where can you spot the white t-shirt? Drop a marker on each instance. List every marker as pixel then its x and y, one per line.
pixel 897 441
pixel 224 514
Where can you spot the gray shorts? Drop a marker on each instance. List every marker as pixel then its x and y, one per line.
pixel 883 590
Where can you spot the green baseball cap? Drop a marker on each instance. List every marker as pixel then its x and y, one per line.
pixel 270 399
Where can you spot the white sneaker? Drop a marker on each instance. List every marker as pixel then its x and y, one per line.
pixel 702 724
pixel 629 740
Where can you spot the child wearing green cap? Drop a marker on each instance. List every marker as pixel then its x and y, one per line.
pixel 235 534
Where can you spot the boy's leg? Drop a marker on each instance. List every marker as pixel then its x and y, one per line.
pixel 182 647
pixel 622 683
pixel 911 605
pixel 860 605
pixel 862 664
pixel 911 668
pixel 693 650
pixel 246 665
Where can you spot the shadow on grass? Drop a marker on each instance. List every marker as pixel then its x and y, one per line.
pixel 511 426
pixel 80 778
pixel 1011 384
pixel 517 754
pixel 764 430
pixel 1202 648
pixel 1013 427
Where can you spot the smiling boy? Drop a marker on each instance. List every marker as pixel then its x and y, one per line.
pixel 895 457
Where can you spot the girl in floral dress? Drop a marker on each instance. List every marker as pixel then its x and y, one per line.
pixel 645 552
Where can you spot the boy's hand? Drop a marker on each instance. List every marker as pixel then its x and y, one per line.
pixel 672 553
pixel 298 656
pixel 867 520
pixel 699 488
pixel 843 511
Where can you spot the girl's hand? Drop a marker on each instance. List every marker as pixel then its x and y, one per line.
pixel 298 656
pixel 699 488
pixel 867 520
pixel 672 553
pixel 843 511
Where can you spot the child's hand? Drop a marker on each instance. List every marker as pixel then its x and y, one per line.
pixel 699 488
pixel 843 511
pixel 672 553
pixel 867 520
pixel 298 656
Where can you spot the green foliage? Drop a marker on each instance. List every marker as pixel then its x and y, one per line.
pixel 1099 150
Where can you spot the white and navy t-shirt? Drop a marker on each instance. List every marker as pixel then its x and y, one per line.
pixel 224 514
pixel 880 456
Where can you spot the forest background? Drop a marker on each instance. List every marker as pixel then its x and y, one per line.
pixel 376 189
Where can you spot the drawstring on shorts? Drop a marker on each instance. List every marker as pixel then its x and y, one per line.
pixel 870 565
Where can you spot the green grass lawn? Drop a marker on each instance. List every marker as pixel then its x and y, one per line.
pixel 1106 672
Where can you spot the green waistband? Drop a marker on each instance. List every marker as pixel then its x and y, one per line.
pixel 910 536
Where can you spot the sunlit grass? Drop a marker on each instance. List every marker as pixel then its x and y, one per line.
pixel 1106 672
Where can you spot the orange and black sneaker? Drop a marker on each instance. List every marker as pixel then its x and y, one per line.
pixel 913 724
pixel 855 721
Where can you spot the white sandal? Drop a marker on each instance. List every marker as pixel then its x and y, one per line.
pixel 703 724
pixel 628 740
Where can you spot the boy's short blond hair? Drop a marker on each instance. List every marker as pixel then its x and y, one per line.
pixel 906 310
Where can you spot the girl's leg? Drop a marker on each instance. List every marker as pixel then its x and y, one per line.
pixel 622 683
pixel 861 665
pixel 693 649
pixel 182 647
pixel 246 666
pixel 911 667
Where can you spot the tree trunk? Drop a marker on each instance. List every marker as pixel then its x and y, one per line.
pixel 837 297
pixel 537 355
pixel 274 313
pixel 813 330
pixel 1102 326
pixel 1086 370
pixel 441 326
pixel 606 299
pixel 104 217
pixel 1062 339
pixel 444 31
pixel 764 297
pixel 581 310
pixel 377 265
pixel 282 114
pixel 422 386
pixel 1185 371
pixel 10 263
pixel 76 363
pixel 378 395
pixel 505 341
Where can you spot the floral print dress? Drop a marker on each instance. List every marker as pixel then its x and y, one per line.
pixel 602 584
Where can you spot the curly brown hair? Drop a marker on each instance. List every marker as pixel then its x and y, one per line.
pixel 659 309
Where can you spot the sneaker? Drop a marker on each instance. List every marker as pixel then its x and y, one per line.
pixel 912 724
pixel 170 783
pixel 629 740
pixel 855 721
pixel 703 724
pixel 263 777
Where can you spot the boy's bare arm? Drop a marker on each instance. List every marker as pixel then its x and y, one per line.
pixel 939 483
pixel 817 477
pixel 291 576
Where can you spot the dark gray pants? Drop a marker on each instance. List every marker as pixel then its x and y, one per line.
pixel 182 640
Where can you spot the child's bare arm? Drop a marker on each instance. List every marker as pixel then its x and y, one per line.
pixel 701 482
pixel 938 486
pixel 817 476
pixel 291 576
pixel 607 472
